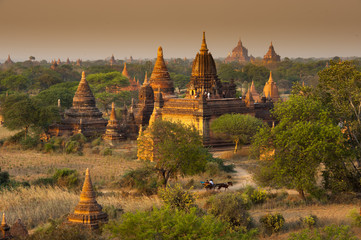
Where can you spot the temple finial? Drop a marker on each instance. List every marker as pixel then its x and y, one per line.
pixel 87 172
pixel 204 44
pixel 83 75
pixel 146 78
pixel 270 77
pixel 160 52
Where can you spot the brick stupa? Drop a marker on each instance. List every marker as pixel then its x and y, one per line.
pixel 83 117
pixel 113 132
pixel 239 54
pixel 160 78
pixel 254 93
pixel 112 60
pixel 4 229
pixel 271 56
pixel 88 212
pixel 270 90
pixel 8 61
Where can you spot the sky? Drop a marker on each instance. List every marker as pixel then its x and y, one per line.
pixel 95 29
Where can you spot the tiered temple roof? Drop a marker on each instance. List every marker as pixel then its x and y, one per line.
pixel 4 229
pixel 239 54
pixel 160 77
pixel 125 71
pixel 271 56
pixel 270 90
pixel 88 212
pixel 83 117
pixel 67 61
pixel 204 75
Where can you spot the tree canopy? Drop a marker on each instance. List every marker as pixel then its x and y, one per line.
pixel 177 149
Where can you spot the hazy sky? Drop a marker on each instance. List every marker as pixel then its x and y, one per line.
pixel 94 29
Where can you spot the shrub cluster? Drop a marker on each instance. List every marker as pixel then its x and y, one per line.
pixel 65 178
pixel 177 198
pixel 143 179
pixel 272 223
pixel 327 233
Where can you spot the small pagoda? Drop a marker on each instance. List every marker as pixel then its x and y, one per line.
pixel 88 212
pixel 271 56
pixel 113 132
pixel 254 93
pixel 4 229
pixel 270 90
pixel 83 117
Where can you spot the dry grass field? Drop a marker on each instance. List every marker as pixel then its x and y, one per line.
pixel 35 205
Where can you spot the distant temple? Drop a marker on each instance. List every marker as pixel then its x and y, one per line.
pixel 239 54
pixel 8 61
pixel 79 62
pixel 68 61
pixel 88 212
pixel 112 60
pixel 271 56
pixel 134 85
pixel 54 64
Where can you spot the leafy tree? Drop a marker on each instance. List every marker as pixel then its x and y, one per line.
pixel 15 82
pixel 100 81
pixel 23 112
pixel 236 127
pixel 180 80
pixel 304 138
pixel 340 90
pixel 177 149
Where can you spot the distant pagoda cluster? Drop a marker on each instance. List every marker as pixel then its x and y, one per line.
pixel 240 54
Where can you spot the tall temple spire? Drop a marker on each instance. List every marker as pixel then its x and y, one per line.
pixel 88 212
pixel 145 78
pixel 204 44
pixel 112 114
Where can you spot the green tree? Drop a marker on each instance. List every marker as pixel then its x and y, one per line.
pixel 305 137
pixel 23 112
pixel 236 127
pixel 15 83
pixel 178 149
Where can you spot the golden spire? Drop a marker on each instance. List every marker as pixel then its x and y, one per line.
pixel 112 114
pixel 204 44
pixel 83 75
pixel 3 222
pixel 145 78
pixel 270 77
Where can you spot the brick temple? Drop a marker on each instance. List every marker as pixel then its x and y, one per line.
pixel 239 54
pixel 271 56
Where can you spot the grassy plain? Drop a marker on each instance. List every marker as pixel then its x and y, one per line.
pixel 36 205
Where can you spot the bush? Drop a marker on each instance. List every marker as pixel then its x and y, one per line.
pixel 4 178
pixel 177 198
pixel 58 231
pixel 256 196
pixel 44 182
pixel 221 165
pixel 328 233
pixel 16 138
pixel 309 221
pixel 272 223
pixel 212 169
pixel 49 147
pixel 113 212
pixel 355 217
pixel 166 223
pixel 97 141
pixel 107 152
pixel 29 142
pixel 80 138
pixel 66 178
pixel 72 147
pixel 231 208
pixel 143 179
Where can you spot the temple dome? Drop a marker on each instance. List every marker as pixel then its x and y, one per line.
pixel 239 53
pixel 271 56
